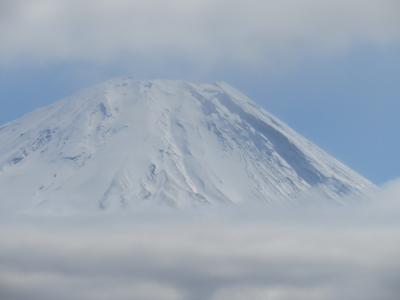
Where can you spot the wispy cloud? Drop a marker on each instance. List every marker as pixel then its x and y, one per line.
pixel 201 33
pixel 349 252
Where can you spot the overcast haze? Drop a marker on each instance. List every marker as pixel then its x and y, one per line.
pixel 204 33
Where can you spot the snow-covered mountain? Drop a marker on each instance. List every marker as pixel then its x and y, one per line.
pixel 127 143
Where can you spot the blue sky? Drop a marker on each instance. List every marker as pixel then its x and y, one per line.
pixel 334 79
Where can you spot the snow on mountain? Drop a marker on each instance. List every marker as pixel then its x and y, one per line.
pixel 127 143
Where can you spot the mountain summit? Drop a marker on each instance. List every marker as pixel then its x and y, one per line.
pixel 126 143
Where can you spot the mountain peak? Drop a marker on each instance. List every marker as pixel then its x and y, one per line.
pixel 126 143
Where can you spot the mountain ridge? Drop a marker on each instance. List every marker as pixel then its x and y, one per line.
pixel 125 143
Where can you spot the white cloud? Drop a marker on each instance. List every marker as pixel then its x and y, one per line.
pixel 349 252
pixel 198 32
pixel 277 293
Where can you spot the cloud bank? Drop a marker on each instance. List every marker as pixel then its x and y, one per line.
pixel 349 252
pixel 197 32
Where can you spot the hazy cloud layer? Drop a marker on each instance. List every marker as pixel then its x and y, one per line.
pixel 197 32
pixel 351 252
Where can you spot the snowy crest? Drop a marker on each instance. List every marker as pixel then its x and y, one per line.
pixel 124 144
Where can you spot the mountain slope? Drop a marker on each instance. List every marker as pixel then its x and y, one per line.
pixel 126 143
